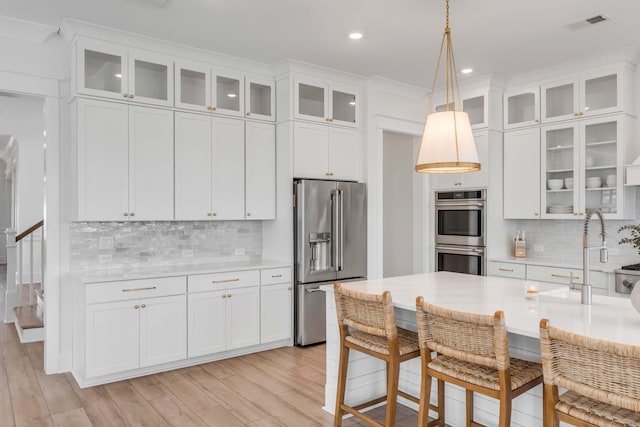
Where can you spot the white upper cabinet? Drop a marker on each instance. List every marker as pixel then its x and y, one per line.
pixel 227 159
pixel 114 71
pixel 260 171
pixel 125 162
pixel 323 101
pixel 521 172
pixel 584 95
pixel 203 87
pixel 260 100
pixel 483 105
pixel 522 107
pixel 477 179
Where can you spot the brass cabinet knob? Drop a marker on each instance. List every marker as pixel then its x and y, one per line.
pixel 125 214
pixel 248 114
pixel 143 305
pixel 213 108
pixel 576 114
pixel 331 119
pixel 575 214
pixel 248 213
pixel 214 214
pixel 131 96
pixel 136 306
pixel 327 119
pixel 228 295
pixel 224 296
pixel 581 113
pixel 209 214
pixel 289 288
pixel 536 213
pixel 132 214
pixel 537 121
pixel 125 95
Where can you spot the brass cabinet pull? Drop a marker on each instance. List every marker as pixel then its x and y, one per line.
pixel 248 213
pixel 139 289
pixel 143 305
pixel 208 213
pixel 575 114
pixel 506 269
pixel 226 281
pixel 125 95
pixel 248 114
pixel 224 296
pixel 125 214
pixel 213 108
pixel 289 288
pixel 132 214
pixel 276 275
pixel 537 121
pixel 562 276
pixel 228 295
pixel 581 113
pixel 327 119
pixel 136 306
pixel 214 214
pixel 131 96
pixel 536 213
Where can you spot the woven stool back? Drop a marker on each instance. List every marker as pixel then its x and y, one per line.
pixel 369 313
pixel 598 369
pixel 474 338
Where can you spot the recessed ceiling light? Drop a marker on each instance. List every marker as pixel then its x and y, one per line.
pixel 355 36
pixel 231 95
pixel 466 70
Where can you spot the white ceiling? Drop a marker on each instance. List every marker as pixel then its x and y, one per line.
pixel 401 37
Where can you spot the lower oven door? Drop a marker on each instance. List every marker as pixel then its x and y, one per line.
pixel 461 259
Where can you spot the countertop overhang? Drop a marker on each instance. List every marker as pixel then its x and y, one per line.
pixel 608 318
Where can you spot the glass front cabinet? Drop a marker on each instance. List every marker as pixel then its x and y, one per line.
pixel 114 71
pixel 522 107
pixel 321 101
pixel 582 165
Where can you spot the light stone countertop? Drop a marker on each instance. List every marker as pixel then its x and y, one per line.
pixel 554 262
pixel 153 271
pixel 608 318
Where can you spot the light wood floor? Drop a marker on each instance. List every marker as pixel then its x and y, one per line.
pixel 283 387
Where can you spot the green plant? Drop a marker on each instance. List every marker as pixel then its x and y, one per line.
pixel 634 240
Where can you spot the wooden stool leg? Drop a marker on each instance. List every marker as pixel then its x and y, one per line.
pixel 392 390
pixel 441 403
pixel 342 384
pixel 505 411
pixel 425 395
pixel 469 408
pixel 549 399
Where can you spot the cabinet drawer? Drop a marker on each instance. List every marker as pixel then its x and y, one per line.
pixel 233 279
pixel 134 289
pixel 554 274
pixel 272 276
pixel 506 269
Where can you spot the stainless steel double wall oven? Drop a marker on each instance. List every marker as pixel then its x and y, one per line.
pixel 460 236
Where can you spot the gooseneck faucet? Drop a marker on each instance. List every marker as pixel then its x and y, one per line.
pixel 604 254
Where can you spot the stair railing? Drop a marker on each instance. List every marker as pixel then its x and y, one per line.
pixel 29 232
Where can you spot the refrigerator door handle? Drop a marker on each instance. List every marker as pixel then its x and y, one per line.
pixel 341 230
pixel 334 229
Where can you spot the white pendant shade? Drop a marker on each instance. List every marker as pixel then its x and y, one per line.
pixel 447 144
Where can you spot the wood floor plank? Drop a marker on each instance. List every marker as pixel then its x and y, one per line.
pixel 73 418
pixel 135 409
pixel 31 411
pixel 219 417
pixel 97 404
pixel 189 392
pixel 267 422
pixel 57 392
pixel 150 387
pixel 21 378
pixel 6 413
pixel 175 413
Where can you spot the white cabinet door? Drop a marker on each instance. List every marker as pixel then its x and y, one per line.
pixel 192 167
pixel 481 177
pixel 103 174
pixel 560 100
pixel 150 78
pixel 228 92
pixel 227 159
pixel 345 154
pixel 243 317
pixel 275 312
pixel 522 107
pixel 310 100
pixel 112 337
pixel 260 174
pixel 207 323
pixel 521 174
pixel 561 183
pixel 150 164
pixel 310 150
pixel 102 69
pixel 344 105
pixel 163 330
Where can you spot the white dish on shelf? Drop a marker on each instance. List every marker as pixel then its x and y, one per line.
pixel 555 184
pixel 568 183
pixel 594 182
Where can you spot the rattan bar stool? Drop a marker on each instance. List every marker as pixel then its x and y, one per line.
pixel 472 352
pixel 367 324
pixel 602 379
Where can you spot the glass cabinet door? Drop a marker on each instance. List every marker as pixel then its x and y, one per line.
pixel 475 107
pixel 603 177
pixel 600 94
pixel 344 106
pixel 193 86
pixel 228 93
pixel 522 108
pixel 102 70
pixel 310 100
pixel 560 101
pixel 151 78
pixel 560 182
pixel 260 99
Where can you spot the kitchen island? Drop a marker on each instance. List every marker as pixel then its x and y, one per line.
pixel 607 318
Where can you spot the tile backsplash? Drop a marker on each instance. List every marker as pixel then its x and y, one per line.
pixel 127 245
pixel 562 239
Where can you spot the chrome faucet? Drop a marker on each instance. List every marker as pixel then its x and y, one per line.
pixel 604 254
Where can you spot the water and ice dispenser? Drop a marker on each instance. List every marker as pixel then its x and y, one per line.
pixel 320 252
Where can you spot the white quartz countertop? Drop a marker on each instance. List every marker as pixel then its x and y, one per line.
pixel 554 262
pixel 152 271
pixel 609 318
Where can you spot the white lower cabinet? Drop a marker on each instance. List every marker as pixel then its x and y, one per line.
pixel 130 334
pixel 276 304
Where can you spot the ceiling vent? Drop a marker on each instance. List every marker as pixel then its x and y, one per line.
pixel 588 22
pixel 154 3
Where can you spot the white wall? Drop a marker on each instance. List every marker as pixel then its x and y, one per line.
pixel 402 206
pixel 22 117
pixel 5 211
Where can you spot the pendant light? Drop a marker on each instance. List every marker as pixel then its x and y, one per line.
pixel 447 141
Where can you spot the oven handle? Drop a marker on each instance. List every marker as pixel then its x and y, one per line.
pixel 471 251
pixel 460 205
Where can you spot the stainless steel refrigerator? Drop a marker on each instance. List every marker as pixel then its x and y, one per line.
pixel 330 228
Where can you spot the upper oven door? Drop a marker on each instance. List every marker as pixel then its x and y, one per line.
pixel 461 223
